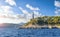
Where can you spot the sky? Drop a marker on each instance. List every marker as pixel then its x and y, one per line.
pixel 17 11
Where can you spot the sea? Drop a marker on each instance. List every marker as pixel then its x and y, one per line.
pixel 17 32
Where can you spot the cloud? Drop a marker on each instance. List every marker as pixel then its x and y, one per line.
pixel 32 8
pixel 11 2
pixel 28 15
pixel 57 3
pixel 57 11
pixel 7 15
pixel 37 14
pixel 5 10
pixel 35 10
pixel 24 11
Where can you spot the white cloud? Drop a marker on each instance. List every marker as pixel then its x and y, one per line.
pixel 57 3
pixel 11 2
pixel 24 11
pixel 32 8
pixel 29 15
pixel 5 9
pixel 37 14
pixel 7 15
pixel 57 11
pixel 8 20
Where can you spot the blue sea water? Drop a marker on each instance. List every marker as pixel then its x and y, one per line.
pixel 39 33
pixel 14 32
pixel 8 32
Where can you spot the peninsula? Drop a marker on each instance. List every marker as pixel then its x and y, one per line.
pixel 43 22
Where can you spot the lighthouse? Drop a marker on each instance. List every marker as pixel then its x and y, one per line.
pixel 33 15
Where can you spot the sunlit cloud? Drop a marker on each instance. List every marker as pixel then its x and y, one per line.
pixel 37 14
pixel 5 9
pixel 7 15
pixel 35 10
pixel 27 15
pixel 10 2
pixel 57 5
pixel 31 7
pixel 57 11
pixel 8 20
pixel 23 10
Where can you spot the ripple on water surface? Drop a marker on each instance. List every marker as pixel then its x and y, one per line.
pixel 8 32
pixel 39 33
pixel 13 32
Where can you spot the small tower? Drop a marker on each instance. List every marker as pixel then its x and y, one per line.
pixel 33 21
pixel 33 15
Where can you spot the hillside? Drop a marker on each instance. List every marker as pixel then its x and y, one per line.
pixel 46 21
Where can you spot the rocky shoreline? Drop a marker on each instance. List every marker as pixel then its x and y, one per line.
pixel 37 26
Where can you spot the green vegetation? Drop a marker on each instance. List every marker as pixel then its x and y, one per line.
pixel 45 20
